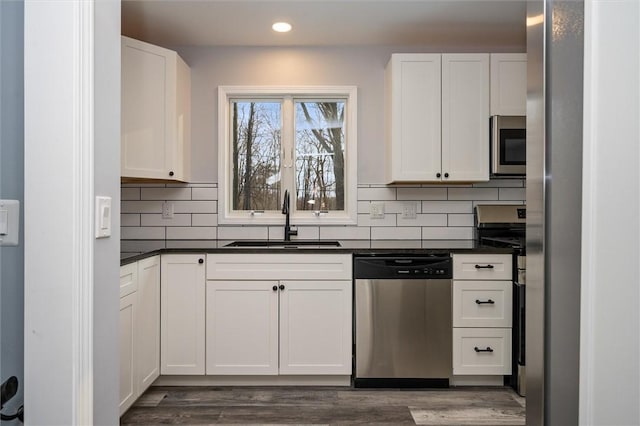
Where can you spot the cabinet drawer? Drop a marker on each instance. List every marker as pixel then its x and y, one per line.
pixel 268 266
pixel 483 351
pixel 482 267
pixel 128 279
pixel 482 303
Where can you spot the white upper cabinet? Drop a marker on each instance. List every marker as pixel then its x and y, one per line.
pixel 465 117
pixel 155 113
pixel 437 118
pixel 413 93
pixel 509 84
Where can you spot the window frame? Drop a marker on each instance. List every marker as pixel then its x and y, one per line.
pixel 289 94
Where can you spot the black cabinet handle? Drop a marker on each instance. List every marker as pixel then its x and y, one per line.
pixel 281 286
pixel 170 173
pixel 275 288
pixel 446 175
pixel 201 261
pixel 477 349
pixel 485 302
pixel 438 175
pixel 484 266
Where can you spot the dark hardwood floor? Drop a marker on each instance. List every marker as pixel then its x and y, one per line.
pixel 326 405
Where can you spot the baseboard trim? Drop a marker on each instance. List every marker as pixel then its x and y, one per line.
pixel 253 381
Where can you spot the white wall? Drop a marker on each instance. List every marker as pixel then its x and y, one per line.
pixel 71 143
pixel 12 187
pixel 610 318
pixel 359 66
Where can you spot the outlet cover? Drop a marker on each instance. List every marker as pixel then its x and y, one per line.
pixel 408 211
pixel 167 210
pixel 376 210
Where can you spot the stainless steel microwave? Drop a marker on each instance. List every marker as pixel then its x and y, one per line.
pixel 508 145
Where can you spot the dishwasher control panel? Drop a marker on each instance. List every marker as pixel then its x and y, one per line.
pixel 415 267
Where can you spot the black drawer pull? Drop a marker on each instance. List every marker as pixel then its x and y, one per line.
pixel 275 288
pixel 484 266
pixel 485 302
pixel 477 349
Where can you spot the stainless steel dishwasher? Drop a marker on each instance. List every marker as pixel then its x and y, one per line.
pixel 403 321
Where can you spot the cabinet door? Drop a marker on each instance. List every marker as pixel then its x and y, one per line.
pixel 465 117
pixel 182 314
pixel 315 327
pixel 242 327
pixel 128 383
pixel 412 86
pixel 509 84
pixel 148 105
pixel 148 322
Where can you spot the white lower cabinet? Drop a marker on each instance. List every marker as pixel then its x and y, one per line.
pixel 139 328
pixel 300 325
pixel 182 314
pixel 128 386
pixel 484 351
pixel 482 314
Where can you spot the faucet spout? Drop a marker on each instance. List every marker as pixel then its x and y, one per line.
pixel 288 232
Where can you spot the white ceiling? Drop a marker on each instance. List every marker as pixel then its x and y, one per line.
pixel 326 23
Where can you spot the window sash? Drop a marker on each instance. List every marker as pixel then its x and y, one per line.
pixel 288 97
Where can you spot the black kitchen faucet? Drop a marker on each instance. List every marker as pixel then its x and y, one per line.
pixel 288 232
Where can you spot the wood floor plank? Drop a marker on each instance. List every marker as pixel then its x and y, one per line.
pixel 200 405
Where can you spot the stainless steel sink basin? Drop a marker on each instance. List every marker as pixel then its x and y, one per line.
pixel 284 244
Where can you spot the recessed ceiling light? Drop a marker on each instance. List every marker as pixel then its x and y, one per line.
pixel 281 27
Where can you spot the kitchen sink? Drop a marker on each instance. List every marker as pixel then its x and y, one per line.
pixel 284 244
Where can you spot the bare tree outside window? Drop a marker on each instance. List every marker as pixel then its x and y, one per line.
pixel 319 147
pixel 256 142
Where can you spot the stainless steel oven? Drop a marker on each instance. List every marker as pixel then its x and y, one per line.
pixel 508 145
pixel 504 226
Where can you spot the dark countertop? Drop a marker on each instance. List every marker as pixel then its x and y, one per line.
pixel 364 247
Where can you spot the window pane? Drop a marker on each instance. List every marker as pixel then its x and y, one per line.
pixel 256 138
pixel 320 142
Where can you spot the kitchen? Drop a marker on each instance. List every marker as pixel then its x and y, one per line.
pixel 63 191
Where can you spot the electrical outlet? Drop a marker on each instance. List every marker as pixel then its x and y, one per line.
pixel 376 210
pixel 408 211
pixel 167 210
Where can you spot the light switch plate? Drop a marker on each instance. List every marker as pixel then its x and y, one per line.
pixel 167 210
pixel 376 210
pixel 409 210
pixel 9 222
pixel 103 217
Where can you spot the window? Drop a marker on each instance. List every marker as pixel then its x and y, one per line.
pixel 298 139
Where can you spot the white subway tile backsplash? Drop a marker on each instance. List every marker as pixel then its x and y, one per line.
pixel 204 220
pixel 304 233
pixel 424 220
pixel 195 207
pixel 142 233
pixel 512 193
pixel 473 194
pixel 412 233
pixel 192 244
pixel 500 183
pixel 204 193
pixel 158 220
pixel 387 220
pixel 460 220
pixel 386 193
pixel 165 194
pixel 129 220
pixel 422 193
pixel 443 212
pixel 243 233
pixel 447 233
pixel 345 233
pixel 129 193
pixel 447 207
pixel 192 233
pixel 141 207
